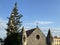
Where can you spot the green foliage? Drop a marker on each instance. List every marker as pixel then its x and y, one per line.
pixel 13 39
pixel 13 26
pixel 14 22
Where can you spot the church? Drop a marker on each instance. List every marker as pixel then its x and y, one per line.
pixel 33 37
pixel 30 37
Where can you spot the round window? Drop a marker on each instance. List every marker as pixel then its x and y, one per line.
pixel 38 37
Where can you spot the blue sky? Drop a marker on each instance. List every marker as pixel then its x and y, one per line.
pixel 44 12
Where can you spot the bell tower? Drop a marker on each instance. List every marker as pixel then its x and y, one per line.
pixel 24 37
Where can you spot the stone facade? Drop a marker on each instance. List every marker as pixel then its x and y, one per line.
pixel 34 37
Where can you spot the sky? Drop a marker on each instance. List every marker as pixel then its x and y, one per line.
pixel 44 12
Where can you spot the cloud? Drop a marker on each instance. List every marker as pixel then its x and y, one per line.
pixel 43 22
pixel 3 23
pixel 35 23
pixel 2 28
pixel 54 31
pixel 29 25
pixel 39 23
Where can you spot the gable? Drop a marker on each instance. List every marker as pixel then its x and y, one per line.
pixel 36 38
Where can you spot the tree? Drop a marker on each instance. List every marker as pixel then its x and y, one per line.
pixel 14 23
pixel 13 39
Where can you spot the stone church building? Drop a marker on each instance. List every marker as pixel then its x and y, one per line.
pixel 35 37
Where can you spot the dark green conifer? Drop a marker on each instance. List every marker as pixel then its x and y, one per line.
pixel 14 21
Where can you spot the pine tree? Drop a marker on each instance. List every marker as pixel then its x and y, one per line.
pixel 14 21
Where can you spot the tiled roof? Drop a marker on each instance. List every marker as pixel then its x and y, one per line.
pixel 28 32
